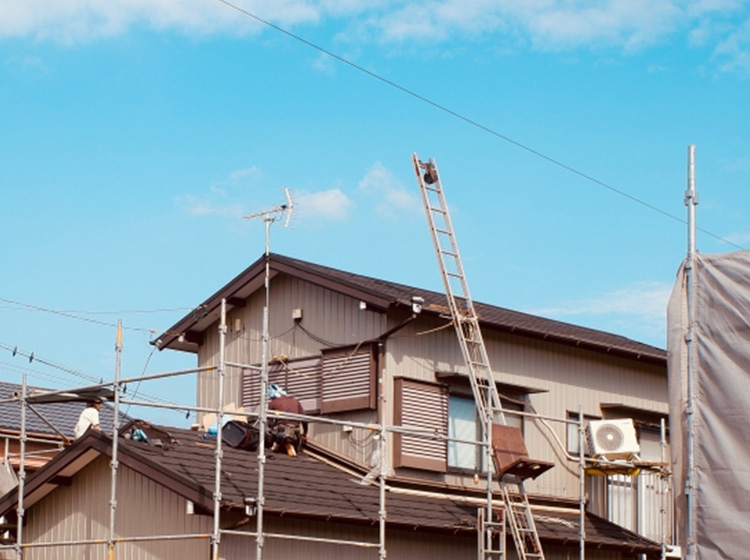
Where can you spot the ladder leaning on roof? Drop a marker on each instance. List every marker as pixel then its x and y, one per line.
pixel 486 396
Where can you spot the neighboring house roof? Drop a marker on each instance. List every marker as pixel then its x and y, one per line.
pixel 303 487
pixel 62 415
pixel 382 295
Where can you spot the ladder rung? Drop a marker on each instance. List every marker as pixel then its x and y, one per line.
pixel 438 210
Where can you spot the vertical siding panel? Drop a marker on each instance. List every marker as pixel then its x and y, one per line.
pixel 560 372
pixel 81 511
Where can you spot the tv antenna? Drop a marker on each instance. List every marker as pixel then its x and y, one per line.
pixel 270 215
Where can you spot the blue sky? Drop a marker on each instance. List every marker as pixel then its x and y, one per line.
pixel 137 134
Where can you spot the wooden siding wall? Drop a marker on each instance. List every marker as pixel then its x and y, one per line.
pixel 81 511
pixel 567 378
pixel 329 316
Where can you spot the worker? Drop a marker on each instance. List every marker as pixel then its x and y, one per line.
pixel 286 434
pixel 89 418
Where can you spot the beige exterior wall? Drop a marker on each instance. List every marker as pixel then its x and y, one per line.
pixel 401 544
pixel 565 377
pixel 144 508
pixel 330 316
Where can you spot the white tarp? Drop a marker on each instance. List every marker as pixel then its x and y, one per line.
pixel 721 506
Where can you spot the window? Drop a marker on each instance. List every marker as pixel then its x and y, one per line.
pixel 464 424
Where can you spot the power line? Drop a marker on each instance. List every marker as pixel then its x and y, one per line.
pixel 470 121
pixel 72 316
pixel 32 357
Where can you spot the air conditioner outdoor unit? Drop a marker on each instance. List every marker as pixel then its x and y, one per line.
pixel 613 439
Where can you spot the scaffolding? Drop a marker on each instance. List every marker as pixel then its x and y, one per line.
pixel 383 430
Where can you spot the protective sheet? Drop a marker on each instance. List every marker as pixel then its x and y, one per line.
pixel 722 403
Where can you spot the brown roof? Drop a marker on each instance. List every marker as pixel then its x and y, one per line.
pixel 302 486
pixel 382 295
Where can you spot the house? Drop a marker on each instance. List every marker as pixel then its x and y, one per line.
pixel 166 489
pixel 351 347
pixel 362 352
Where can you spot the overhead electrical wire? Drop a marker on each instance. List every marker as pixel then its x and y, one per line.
pixel 469 121
pixel 33 357
pixel 72 316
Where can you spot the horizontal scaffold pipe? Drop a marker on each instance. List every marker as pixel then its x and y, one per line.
pixel 360 544
pixel 86 542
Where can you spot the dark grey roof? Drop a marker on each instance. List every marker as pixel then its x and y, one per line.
pixel 307 487
pixel 63 416
pixel 382 294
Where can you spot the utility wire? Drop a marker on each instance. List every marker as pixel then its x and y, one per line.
pixel 32 357
pixel 72 316
pixel 470 121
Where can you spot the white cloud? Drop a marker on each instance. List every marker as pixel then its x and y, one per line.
pixel 72 21
pixel 221 198
pixel 640 306
pixel 198 206
pixel 332 204
pixel 391 196
pixel 240 174
pixel 26 64
pixel 741 238
pixel 734 50
pixel 547 24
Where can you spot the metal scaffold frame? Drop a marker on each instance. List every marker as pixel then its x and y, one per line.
pixel 260 534
pixel 382 428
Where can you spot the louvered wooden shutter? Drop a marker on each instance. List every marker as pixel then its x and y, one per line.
pixel 424 406
pixel 349 379
pixel 300 378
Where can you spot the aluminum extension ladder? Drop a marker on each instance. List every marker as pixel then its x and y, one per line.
pixel 486 396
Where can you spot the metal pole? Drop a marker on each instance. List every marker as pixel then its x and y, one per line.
pixel 382 401
pixel 21 471
pixel 260 501
pixel 487 440
pixel 582 485
pixel 216 538
pixel 691 200
pixel 115 428
pixel 663 489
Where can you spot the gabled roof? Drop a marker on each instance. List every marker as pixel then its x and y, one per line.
pixel 383 295
pixel 303 487
pixel 61 415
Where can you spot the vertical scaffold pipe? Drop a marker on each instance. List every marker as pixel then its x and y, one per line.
pixel 216 538
pixel 114 464
pixel 263 416
pixel 691 200
pixel 581 485
pixel 21 471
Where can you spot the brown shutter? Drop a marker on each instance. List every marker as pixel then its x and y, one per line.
pixel 299 377
pixel 424 406
pixel 349 379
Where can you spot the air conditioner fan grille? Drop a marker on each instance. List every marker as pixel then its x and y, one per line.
pixel 609 437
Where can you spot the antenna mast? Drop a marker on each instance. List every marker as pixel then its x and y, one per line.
pixel 269 216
